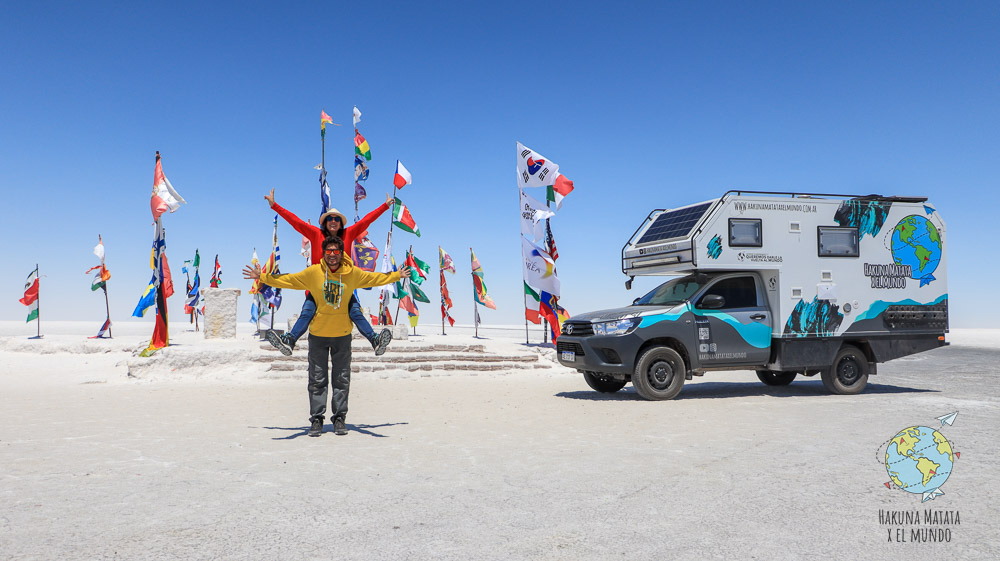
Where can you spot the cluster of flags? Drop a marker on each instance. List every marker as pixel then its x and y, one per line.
pixel 266 299
pixel 193 288
pixel 542 287
pixel 445 264
pixel 100 281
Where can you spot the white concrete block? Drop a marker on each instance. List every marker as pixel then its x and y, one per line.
pixel 220 312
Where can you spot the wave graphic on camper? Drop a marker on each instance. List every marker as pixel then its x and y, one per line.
pixel 817 318
pixel 868 216
pixel 715 247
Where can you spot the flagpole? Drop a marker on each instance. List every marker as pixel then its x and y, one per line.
pixel 107 307
pixel 441 289
pixel 38 304
pixel 475 311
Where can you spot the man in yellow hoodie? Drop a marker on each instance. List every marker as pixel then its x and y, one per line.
pixel 335 278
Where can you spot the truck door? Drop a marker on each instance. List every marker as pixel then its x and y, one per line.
pixel 735 330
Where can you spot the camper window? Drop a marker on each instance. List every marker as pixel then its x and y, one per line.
pixel 745 232
pixel 738 292
pixel 833 241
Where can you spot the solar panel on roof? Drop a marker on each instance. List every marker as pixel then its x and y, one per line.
pixel 673 224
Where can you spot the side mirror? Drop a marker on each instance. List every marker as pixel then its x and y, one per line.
pixel 712 302
pixel 628 283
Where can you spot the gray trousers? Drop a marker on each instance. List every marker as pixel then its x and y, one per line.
pixel 323 374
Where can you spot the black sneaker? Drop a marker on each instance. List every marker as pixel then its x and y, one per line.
pixel 339 428
pixel 381 341
pixel 317 427
pixel 279 343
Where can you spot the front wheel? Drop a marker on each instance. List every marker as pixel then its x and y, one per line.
pixel 602 382
pixel 775 378
pixel 659 374
pixel 849 373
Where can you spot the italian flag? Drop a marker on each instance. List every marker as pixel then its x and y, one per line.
pixel 361 146
pixel 401 217
pixel 557 191
pixel 531 300
pixel 402 177
pixel 30 298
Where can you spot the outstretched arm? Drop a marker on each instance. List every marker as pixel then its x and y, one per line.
pixel 363 224
pixel 295 281
pixel 366 279
pixel 307 230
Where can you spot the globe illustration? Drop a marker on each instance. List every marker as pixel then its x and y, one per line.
pixel 916 242
pixel 919 459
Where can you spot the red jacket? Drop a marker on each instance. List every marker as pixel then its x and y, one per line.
pixel 316 235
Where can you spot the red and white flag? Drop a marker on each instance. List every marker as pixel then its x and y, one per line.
pixel 164 196
pixel 402 177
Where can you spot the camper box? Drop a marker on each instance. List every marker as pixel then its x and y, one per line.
pixel 782 283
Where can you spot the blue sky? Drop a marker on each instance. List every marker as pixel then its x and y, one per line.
pixel 643 105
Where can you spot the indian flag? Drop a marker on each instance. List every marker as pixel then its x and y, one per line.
pixel 401 217
pixel 531 300
pixel 361 146
pixel 30 298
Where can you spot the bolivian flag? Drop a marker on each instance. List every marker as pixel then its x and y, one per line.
pixel 361 146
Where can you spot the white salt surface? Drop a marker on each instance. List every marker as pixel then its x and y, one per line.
pixel 202 454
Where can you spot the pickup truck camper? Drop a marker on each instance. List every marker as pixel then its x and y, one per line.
pixel 785 284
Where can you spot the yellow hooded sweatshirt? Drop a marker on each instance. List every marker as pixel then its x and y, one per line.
pixel 332 291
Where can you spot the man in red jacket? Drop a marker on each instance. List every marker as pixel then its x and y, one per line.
pixel 331 223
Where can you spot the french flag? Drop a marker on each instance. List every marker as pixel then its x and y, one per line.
pixel 402 177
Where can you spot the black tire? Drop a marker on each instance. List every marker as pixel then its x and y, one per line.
pixel 602 382
pixel 849 373
pixel 775 377
pixel 659 374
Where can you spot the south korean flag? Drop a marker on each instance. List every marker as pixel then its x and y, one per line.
pixel 533 170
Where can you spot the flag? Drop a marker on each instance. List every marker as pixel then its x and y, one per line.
pixel 419 295
pixel 558 190
pixel 445 301
pixel 479 284
pixel 197 260
pixel 539 268
pixel 533 170
pixel 444 261
pixel 216 279
pixel 273 267
pixel 306 250
pixel 147 299
pixel 324 191
pixel 100 277
pixel 420 269
pixel 365 254
pixel 547 305
pixel 361 147
pixel 388 263
pixel 399 292
pixel 164 196
pixel 163 289
pixel 531 299
pixel 550 242
pixel 191 303
pixel 360 169
pixel 402 177
pixel 30 298
pixel 401 217
pixel 562 314
pixel 100 334
pixel 533 213
pixel 359 193
pixel 99 249
pixel 406 303
pixel 357 116
pixel 323 120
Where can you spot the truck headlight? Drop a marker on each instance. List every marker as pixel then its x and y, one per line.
pixel 616 327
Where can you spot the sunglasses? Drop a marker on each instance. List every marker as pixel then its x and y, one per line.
pixel 332 251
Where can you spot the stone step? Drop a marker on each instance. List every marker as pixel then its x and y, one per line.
pixel 408 358
pixel 415 367
pixel 394 347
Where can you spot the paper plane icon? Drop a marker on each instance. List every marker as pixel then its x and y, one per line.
pixel 931 495
pixel 948 419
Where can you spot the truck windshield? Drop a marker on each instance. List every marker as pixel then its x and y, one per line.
pixel 671 292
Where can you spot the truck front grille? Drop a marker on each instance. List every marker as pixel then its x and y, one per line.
pixel 578 329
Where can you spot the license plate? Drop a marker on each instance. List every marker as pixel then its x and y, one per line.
pixel 568 356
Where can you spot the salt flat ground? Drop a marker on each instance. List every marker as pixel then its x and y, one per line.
pixel 212 461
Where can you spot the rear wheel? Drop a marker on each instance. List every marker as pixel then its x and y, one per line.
pixel 849 373
pixel 603 382
pixel 775 378
pixel 659 374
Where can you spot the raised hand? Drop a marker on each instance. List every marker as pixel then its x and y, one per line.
pixel 389 200
pixel 270 198
pixel 252 271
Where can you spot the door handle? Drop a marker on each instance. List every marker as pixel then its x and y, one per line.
pixel 758 317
